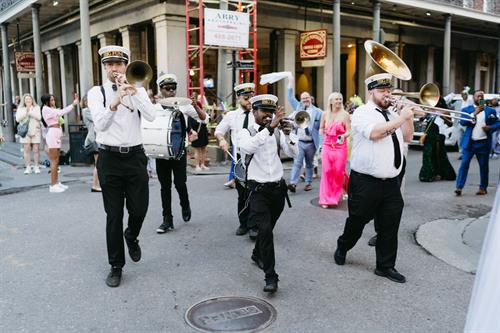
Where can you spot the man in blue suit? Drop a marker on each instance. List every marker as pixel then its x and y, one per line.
pixel 309 138
pixel 477 141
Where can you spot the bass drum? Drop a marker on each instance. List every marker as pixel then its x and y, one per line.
pixel 165 136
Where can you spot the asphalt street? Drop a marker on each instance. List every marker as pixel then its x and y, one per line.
pixel 53 263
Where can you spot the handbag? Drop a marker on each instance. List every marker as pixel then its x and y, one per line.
pixel 193 135
pixel 22 129
pixel 90 148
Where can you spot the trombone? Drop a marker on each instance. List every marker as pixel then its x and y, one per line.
pixel 428 97
pixel 386 61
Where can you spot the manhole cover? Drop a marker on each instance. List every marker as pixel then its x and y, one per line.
pixel 231 314
pixel 341 206
pixel 78 174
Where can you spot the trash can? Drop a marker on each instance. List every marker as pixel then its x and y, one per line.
pixel 77 135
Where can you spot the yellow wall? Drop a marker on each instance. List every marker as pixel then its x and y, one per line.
pixel 350 71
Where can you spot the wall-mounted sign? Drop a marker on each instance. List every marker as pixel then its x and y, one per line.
pixel 226 28
pixel 313 44
pixel 25 61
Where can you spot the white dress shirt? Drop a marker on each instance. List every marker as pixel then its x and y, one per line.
pixel 120 128
pixel 477 132
pixel 373 157
pixel 233 121
pixel 265 165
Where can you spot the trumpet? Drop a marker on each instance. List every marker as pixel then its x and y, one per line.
pixel 138 73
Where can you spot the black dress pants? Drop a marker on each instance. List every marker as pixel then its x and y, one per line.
pixel 266 205
pixel 242 209
pixel 124 180
pixel 164 169
pixel 373 198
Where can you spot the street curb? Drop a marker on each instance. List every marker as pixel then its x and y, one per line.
pixel 13 190
pixel 444 239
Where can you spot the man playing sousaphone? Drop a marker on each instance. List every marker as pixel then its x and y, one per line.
pixel 117 108
pixel 166 166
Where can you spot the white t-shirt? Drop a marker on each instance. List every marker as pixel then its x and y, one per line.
pixel 373 157
pixel 477 132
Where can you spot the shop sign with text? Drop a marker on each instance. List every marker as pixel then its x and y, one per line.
pixel 226 28
pixel 25 61
pixel 313 44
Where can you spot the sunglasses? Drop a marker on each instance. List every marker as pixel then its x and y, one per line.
pixel 169 87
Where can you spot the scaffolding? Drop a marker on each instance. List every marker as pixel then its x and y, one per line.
pixel 246 58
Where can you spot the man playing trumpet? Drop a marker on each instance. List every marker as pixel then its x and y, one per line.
pixel 374 185
pixel 116 108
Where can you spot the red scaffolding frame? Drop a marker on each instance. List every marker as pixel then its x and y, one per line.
pixel 195 47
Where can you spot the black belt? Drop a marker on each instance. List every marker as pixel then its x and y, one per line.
pixel 268 185
pixel 371 177
pixel 306 141
pixel 122 150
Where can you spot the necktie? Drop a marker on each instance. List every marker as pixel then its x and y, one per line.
pixel 245 122
pixel 395 142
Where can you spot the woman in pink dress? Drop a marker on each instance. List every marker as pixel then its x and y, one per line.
pixel 335 127
pixel 51 117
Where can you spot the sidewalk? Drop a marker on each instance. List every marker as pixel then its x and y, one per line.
pixel 13 179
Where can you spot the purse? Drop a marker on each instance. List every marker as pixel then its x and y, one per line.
pixel 22 129
pixel 193 135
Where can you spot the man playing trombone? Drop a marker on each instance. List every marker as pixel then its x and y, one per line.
pixel 117 108
pixel 374 185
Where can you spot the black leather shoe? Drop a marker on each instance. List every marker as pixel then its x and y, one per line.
pixel 339 256
pixel 373 241
pixel 271 285
pixel 134 250
pixel 252 233
pixel 241 231
pixel 292 188
pixel 114 277
pixel 257 261
pixel 186 214
pixel 390 273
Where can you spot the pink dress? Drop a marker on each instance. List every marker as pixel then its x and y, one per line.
pixel 334 158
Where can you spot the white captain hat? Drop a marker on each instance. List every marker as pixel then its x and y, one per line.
pixel 244 89
pixel 377 81
pixel 264 101
pixel 114 53
pixel 165 79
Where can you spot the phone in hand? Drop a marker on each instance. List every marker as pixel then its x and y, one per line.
pixel 340 139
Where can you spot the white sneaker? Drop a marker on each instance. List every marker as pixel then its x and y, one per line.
pixel 56 189
pixel 197 169
pixel 204 167
pixel 36 169
pixel 27 171
pixel 62 185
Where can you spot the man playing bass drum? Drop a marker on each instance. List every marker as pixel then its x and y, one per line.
pixel 165 167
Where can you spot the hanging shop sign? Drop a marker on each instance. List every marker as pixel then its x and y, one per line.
pixel 313 45
pixel 25 61
pixel 226 28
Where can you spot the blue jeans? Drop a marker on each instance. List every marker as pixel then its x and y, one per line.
pixel 231 170
pixel 480 149
pixel 307 151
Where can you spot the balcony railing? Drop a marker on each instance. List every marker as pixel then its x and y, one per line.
pixel 486 6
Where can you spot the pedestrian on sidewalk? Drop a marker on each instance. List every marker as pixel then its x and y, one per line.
pixel 51 117
pixel 28 111
pixel 477 141
pixel 117 109
pixel 90 145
